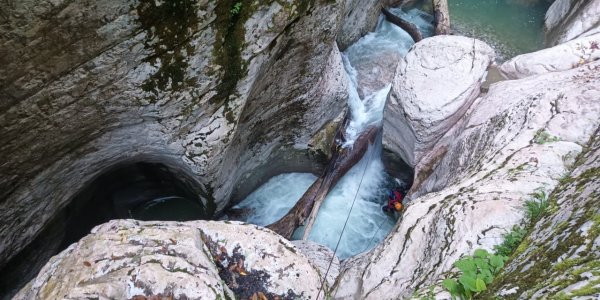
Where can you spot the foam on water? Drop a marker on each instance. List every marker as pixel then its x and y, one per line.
pixel 276 197
pixel 367 224
pixel 387 37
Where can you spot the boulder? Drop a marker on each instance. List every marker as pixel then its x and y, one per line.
pixel 126 259
pixel 434 85
pixel 560 256
pixel 563 57
pixel 569 19
pixel 224 99
pixel 518 139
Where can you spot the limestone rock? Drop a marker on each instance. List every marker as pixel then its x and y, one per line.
pixel 560 257
pixel 434 85
pixel 569 19
pixel 359 17
pixel 125 258
pixel 563 57
pixel 321 257
pixel 519 138
pixel 218 97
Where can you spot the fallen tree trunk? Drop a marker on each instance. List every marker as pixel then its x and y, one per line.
pixel 441 17
pixel 343 159
pixel 409 27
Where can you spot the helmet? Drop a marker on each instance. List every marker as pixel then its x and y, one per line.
pixel 397 206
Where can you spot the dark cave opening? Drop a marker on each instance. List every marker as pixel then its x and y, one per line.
pixel 139 190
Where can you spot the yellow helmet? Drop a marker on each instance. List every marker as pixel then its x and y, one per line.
pixel 397 206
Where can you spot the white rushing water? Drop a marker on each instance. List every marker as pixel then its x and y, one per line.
pixel 367 224
pixel 274 199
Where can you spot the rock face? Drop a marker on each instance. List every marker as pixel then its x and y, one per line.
pixel 225 98
pixel 435 84
pixel 360 17
pixel 521 137
pixel 560 257
pixel 569 19
pixel 563 57
pixel 123 259
pixel 321 257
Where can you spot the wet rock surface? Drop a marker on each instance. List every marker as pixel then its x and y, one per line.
pixel 125 259
pixel 359 18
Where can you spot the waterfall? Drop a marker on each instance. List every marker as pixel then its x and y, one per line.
pixel 367 224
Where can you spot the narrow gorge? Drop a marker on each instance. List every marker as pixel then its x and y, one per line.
pixel 180 149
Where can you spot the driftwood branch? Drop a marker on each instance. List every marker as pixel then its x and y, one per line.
pixel 409 27
pixel 343 159
pixel 441 17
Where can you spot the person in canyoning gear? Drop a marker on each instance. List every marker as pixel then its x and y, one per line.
pixel 394 202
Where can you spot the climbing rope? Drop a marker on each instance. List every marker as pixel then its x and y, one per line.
pixel 345 223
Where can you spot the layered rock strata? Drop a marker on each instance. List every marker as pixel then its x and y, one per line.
pixel 225 96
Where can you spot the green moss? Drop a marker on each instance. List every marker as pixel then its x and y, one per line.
pixel 560 227
pixel 169 26
pixel 228 48
pixel 566 264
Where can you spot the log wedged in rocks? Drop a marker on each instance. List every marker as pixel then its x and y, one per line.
pixel 342 161
pixel 409 27
pixel 441 17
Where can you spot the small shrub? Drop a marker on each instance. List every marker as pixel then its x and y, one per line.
pixel 537 206
pixel 511 241
pixel 237 7
pixel 542 137
pixel 477 272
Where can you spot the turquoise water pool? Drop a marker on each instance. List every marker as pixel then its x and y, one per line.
pixel 512 26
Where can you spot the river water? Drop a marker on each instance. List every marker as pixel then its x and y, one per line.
pixel 367 181
pixel 512 27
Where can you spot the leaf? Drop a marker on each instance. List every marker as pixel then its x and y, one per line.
pixel 481 253
pixel 466 265
pixel 468 282
pixel 481 263
pixel 497 261
pixel 452 286
pixel 480 285
pixel 487 276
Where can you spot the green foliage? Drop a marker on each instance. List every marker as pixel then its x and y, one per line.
pixel 542 137
pixel 237 7
pixel 511 241
pixel 537 206
pixel 477 271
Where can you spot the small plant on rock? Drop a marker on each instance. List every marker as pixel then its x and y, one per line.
pixel 237 7
pixel 542 137
pixel 536 206
pixel 512 240
pixel 477 272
